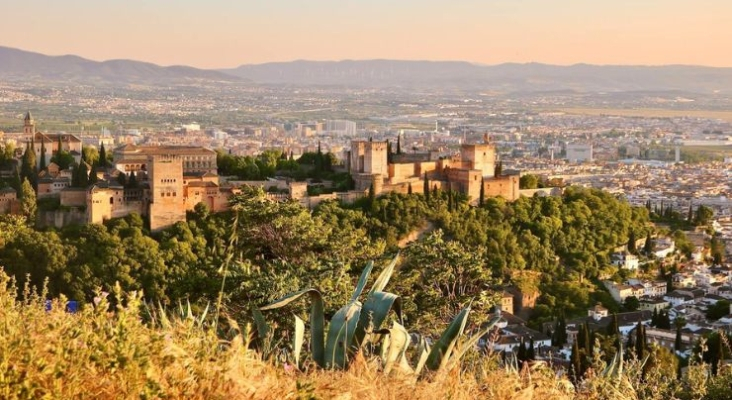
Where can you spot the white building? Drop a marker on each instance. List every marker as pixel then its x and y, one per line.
pixel 340 127
pixel 577 152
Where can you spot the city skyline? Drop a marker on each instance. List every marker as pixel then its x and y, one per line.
pixel 220 34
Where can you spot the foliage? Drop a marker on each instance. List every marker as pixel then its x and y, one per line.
pixel 28 206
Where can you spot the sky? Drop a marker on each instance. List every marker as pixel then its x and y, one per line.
pixel 228 33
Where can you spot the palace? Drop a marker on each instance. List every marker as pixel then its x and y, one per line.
pixel 466 172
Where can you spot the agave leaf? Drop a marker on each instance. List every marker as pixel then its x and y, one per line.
pixel 442 349
pixel 204 314
pixel 383 279
pixel 189 312
pixel 362 281
pixel 261 323
pixel 470 343
pixel 375 310
pixel 299 339
pixel 341 331
pixel 398 343
pixel 423 351
pixel 164 321
pixel 317 320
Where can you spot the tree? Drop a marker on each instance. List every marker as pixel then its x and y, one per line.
pixel 718 310
pixel 399 144
pixel 703 215
pixel 631 303
pixel 678 345
pixel 409 188
pixel 122 179
pixel 93 177
pixel 28 164
pixel 576 363
pixel 631 243
pixel 717 249
pixel 531 353
pixel 481 199
pixel 42 161
pixel 560 332
pixel 529 181
pixel 640 340
pixel 132 181
pixel 102 156
pixel 28 206
pixel 664 322
pixel 649 245
pixel 690 215
pixel 426 188
pixel 499 168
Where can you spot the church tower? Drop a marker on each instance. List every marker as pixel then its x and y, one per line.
pixel 29 127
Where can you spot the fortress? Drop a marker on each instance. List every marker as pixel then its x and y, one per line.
pixel 466 172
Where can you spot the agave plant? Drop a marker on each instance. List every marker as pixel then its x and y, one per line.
pixel 357 324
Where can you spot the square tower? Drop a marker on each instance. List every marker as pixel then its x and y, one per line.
pixel 369 157
pixel 481 157
pixel 167 202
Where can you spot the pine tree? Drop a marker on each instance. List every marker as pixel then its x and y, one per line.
pixel 42 161
pixel 102 157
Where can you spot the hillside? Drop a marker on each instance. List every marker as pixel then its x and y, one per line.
pixel 23 65
pixel 504 77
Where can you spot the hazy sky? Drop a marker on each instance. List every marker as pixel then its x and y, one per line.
pixel 227 33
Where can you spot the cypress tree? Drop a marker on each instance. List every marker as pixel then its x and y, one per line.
pixel 399 144
pixel 664 322
pixel 42 161
pixel 678 346
pixel 102 157
pixel 426 188
pixel 28 165
pixel 132 182
pixel 654 318
pixel 481 199
pixel 640 341
pixel 576 363
pixel 122 179
pixel 690 216
pixel 631 243
pixel 83 179
pixel 499 168
pixel 93 178
pixel 409 188
pixel 521 353
pixel 648 247
pixel 531 354
pixel 372 198
pixel 587 340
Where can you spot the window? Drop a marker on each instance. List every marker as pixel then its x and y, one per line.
pixel 111 200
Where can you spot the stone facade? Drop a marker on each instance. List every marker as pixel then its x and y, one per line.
pixel 167 200
pixel 474 167
pixel 9 203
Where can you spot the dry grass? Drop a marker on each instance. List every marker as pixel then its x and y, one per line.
pixel 98 354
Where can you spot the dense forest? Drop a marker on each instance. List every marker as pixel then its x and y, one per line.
pixel 555 247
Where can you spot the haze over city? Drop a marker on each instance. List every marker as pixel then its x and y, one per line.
pixel 224 34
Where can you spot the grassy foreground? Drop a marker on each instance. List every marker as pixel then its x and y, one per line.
pixel 101 354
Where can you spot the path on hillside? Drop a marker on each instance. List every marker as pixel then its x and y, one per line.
pixel 417 234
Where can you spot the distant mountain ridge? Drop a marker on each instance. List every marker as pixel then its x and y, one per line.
pixel 503 77
pixel 440 75
pixel 19 64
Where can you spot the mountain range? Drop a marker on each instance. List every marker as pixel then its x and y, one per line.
pixel 445 75
pixel 24 65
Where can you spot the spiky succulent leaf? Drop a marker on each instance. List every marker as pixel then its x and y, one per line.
pixel 317 320
pixel 423 351
pixel 362 281
pixel 470 343
pixel 298 339
pixel 261 323
pixel 341 332
pixel 398 343
pixel 374 312
pixel 442 349
pixel 383 279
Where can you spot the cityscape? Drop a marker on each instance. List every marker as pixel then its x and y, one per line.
pixel 512 228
